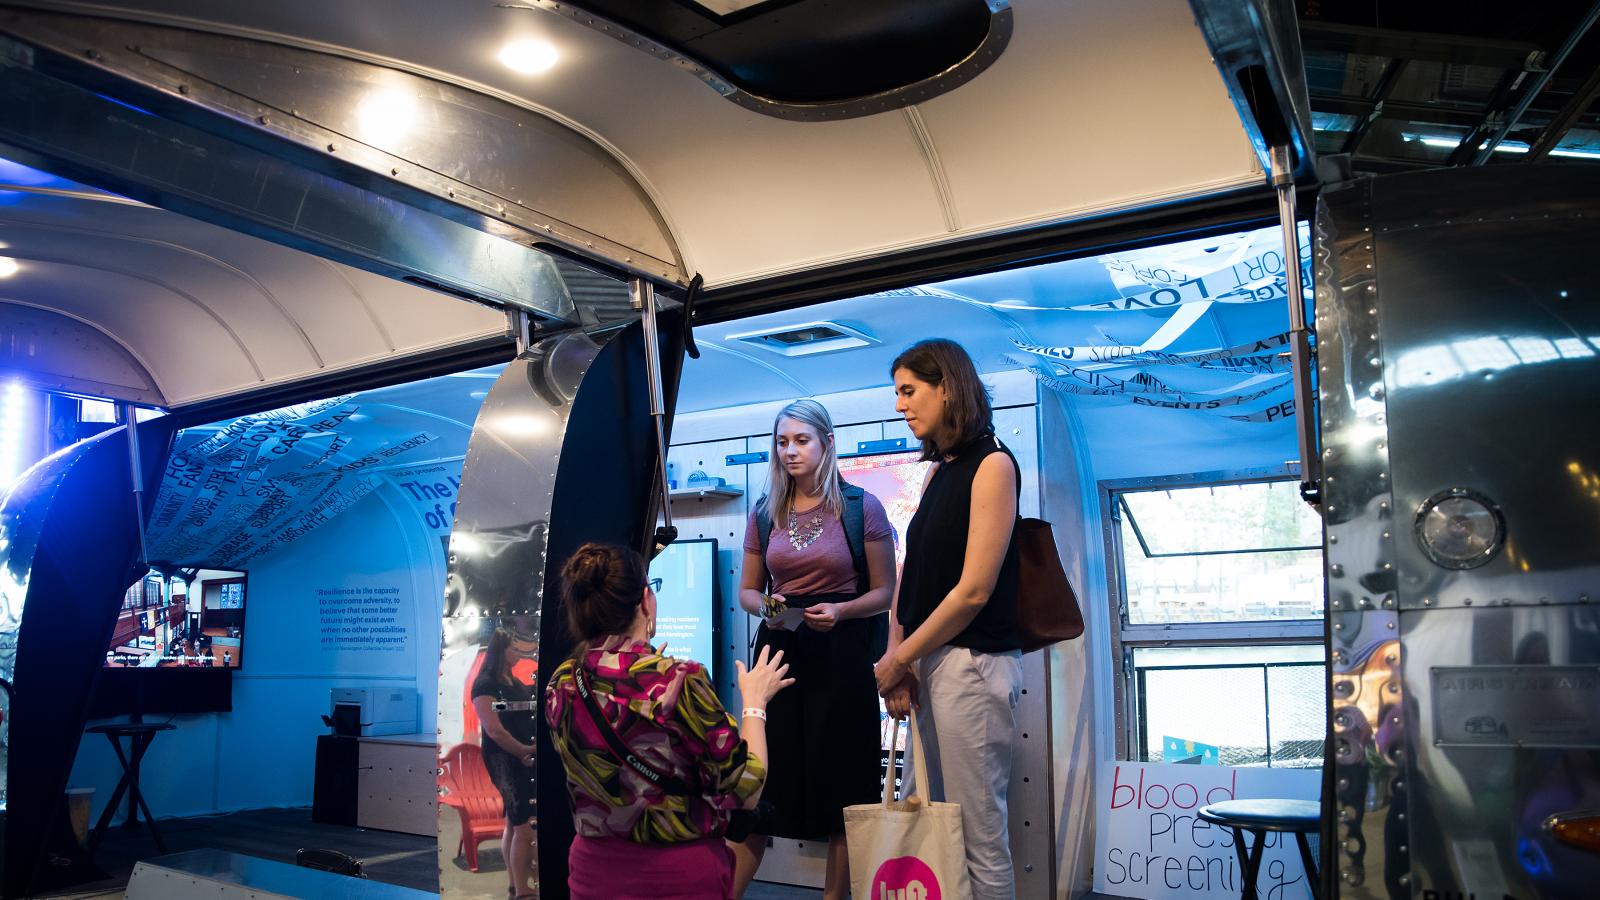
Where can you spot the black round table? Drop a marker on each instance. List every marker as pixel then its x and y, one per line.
pixel 1301 817
pixel 140 734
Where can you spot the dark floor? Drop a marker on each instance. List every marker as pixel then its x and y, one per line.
pixel 390 857
pixel 403 859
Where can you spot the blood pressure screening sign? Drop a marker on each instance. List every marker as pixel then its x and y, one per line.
pixel 1152 843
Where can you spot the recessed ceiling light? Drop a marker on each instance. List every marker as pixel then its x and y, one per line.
pixel 528 57
pixel 8 267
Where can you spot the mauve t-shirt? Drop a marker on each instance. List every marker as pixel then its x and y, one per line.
pixel 824 566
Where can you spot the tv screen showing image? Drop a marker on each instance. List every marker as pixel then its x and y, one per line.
pixel 896 480
pixel 686 605
pixel 169 622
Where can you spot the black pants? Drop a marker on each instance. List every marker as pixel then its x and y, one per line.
pixel 823 738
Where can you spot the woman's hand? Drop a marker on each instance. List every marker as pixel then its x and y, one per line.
pixel 758 684
pixel 779 604
pixel 889 672
pixel 902 697
pixel 822 617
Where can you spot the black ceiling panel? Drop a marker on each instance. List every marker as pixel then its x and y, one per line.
pixel 812 51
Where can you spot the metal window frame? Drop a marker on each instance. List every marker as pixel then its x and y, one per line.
pixel 1128 704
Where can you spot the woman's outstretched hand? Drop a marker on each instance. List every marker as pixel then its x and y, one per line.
pixel 759 683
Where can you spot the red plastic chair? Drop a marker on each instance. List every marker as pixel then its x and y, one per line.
pixel 467 788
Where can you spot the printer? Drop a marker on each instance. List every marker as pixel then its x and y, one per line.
pixel 372 710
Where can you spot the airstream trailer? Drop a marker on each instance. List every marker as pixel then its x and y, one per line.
pixel 328 332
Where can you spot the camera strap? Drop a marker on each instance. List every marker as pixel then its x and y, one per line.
pixel 667 782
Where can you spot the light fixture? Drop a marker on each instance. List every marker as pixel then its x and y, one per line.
pixel 13 410
pixel 1460 528
pixel 8 267
pixel 528 57
pixel 385 116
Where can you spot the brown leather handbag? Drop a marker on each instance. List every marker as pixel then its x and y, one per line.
pixel 1047 608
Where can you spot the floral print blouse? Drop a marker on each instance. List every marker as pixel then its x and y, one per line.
pixel 667 713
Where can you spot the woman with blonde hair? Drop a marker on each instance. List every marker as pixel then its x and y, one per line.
pixel 819 570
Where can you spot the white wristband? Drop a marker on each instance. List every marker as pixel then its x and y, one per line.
pixel 752 712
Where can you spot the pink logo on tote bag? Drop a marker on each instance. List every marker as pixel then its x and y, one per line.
pixel 905 878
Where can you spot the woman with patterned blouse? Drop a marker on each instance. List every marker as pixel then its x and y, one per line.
pixel 637 835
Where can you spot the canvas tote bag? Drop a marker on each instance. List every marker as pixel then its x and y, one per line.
pixel 899 852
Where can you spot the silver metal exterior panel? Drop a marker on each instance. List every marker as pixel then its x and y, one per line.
pixel 1478 810
pixel 465 156
pixel 1500 399
pixel 1464 698
pixel 1358 509
pixel 497 548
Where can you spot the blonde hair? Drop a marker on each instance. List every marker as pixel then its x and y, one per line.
pixel 781 488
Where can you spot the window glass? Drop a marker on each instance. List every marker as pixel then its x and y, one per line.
pixel 1230 553
pixel 1232 706
pixel 1264 515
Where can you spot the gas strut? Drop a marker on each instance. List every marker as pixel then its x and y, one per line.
pixel 1299 333
pixel 643 295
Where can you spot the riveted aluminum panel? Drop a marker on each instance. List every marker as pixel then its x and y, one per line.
pixel 497 553
pixel 1358 508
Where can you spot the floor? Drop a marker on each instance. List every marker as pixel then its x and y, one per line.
pixel 390 857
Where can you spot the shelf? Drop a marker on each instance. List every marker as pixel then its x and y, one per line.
pixel 725 492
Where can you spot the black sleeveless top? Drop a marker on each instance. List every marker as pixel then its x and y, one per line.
pixel 936 550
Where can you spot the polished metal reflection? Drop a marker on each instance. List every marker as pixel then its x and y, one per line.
pixel 1457 378
pixel 473 159
pixel 1369 801
pixel 1487 769
pixel 22 515
pixel 498 549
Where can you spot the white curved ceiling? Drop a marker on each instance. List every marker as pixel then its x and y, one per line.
pixel 205 311
pixel 1096 106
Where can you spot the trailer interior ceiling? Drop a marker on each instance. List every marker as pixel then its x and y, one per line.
pixel 1401 86
pixel 112 298
pixel 1071 120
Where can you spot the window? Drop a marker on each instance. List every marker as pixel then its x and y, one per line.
pixel 1219 598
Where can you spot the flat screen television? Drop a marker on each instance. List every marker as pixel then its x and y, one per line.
pixel 686 611
pixel 175 623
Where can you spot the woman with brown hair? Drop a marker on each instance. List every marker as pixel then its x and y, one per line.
pixel 954 650
pixel 655 766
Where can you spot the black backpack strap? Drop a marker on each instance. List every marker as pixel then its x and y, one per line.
pixel 855 529
pixel 764 533
pixel 668 782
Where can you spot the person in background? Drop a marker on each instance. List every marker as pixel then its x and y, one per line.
pixel 507 742
pixel 953 644
pixel 651 819
pixel 823 735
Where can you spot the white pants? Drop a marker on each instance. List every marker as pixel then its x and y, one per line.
pixel 969 724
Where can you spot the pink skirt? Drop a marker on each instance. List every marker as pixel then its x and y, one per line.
pixel 619 869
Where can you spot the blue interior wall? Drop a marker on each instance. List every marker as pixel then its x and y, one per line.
pixel 261 754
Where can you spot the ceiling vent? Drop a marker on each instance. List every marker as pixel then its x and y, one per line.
pixel 807 339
